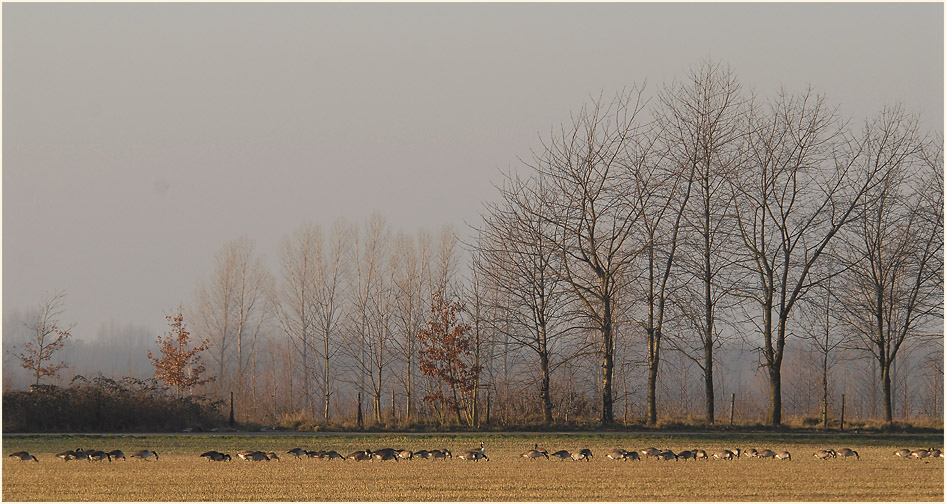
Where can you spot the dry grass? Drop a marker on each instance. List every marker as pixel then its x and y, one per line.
pixel 180 475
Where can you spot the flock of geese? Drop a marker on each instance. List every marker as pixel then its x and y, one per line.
pixel 478 454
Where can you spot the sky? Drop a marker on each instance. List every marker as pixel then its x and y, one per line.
pixel 138 139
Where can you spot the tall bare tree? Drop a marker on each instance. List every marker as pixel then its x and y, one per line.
pixel 232 308
pixel 47 336
pixel 328 307
pixel 590 164
pixel 895 250
pixel 701 123
pixel 801 185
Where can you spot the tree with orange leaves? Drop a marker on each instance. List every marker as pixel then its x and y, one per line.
pixel 47 338
pixel 178 366
pixel 446 355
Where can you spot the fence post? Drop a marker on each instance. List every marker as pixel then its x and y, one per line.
pixel 231 409
pixel 732 408
pixel 360 419
pixel 842 412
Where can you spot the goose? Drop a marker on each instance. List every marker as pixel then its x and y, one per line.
pixel 117 454
pixel 272 456
pixel 586 454
pixel 256 456
pixel 650 452
pixel 847 452
pixel 562 455
pixel 216 456
pixel 385 455
pixel 424 454
pixel 766 454
pixel 331 454
pixel 935 453
pixel 752 452
pixel 904 453
pixel 736 452
pixel 386 452
pixel 531 454
pixel 482 447
pixel 632 456
pixel 405 454
pixel 823 454
pixel 783 456
pixel 23 456
pixel 723 454
pixel 76 454
pixel 145 455
pixel 474 455
pixel 686 454
pixel 359 455
pixel 297 452
pixel 438 454
pixel 920 454
pixel 700 454
pixel 667 455
pixel 447 454
pixel 617 454
pixel 99 455
pixel 315 453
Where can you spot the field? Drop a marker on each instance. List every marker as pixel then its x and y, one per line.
pixel 180 475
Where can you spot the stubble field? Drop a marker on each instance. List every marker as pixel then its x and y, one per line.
pixel 181 475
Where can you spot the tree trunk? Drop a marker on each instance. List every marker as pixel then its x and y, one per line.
pixel 708 384
pixel 652 385
pixel 546 399
pixel 607 367
pixel 824 391
pixel 888 405
pixel 775 396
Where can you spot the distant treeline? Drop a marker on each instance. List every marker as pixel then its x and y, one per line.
pixel 105 405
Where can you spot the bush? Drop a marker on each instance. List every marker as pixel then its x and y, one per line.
pixel 105 405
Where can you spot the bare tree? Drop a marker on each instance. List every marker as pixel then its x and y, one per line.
pixel 895 249
pixel 802 184
pixel 47 336
pixel 409 266
pixel 590 164
pixel 702 127
pixel 818 322
pixel 232 308
pixel 328 306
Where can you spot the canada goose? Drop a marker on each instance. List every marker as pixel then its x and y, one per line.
pixel 117 454
pixel 98 455
pixel 783 456
pixel 315 453
pixel 586 454
pixel 475 455
pixel 935 453
pixel 387 452
pixel 23 456
pixel 561 455
pixel 331 454
pixel 540 450
pixel 686 454
pixel 256 456
pixel 766 454
pixel 297 452
pixel 424 454
pixel 359 455
pixel 736 452
pixel 532 454
pixel 438 454
pixel 145 455
pixel 76 454
pixel 215 456
pixel 920 454
pixel 905 453
pixel 405 454
pixel 271 456
pixel 752 452
pixel 650 452
pixel 632 456
pixel 385 455
pixel 667 455
pixel 617 454
pixel 722 454
pixel 823 454
pixel 847 452
pixel 482 447
pixel 700 454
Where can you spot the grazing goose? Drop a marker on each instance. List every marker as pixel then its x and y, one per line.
pixel 766 454
pixel 752 452
pixel 405 454
pixel 586 454
pixel 920 454
pixel 700 454
pixel 298 452
pixel 76 454
pixel 331 454
pixel 723 454
pixel 99 455
pixel 256 456
pixel 686 454
pixel 315 453
pixel 531 454
pixel 272 456
pixel 667 455
pixel 617 454
pixel 935 453
pixel 561 455
pixel 385 451
pixel 824 454
pixel 847 452
pixel 439 454
pixel 424 454
pixel 474 455
pixel 783 456
pixel 117 454
pixel 904 453
pixel 632 456
pixel 145 455
pixel 736 452
pixel 359 455
pixel 215 456
pixel 23 456
pixel 385 455
pixel 650 452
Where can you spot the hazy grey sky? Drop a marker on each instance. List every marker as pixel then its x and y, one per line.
pixel 139 138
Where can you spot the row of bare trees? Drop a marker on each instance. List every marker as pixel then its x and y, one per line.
pixel 718 212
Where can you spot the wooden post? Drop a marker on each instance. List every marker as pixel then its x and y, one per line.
pixel 732 408
pixel 842 412
pixel 360 419
pixel 231 409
